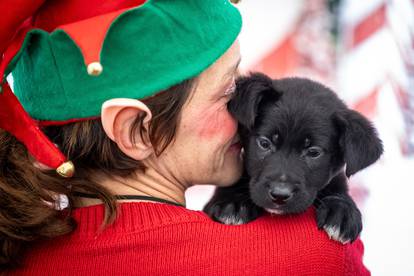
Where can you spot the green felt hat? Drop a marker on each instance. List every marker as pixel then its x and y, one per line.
pixel 132 53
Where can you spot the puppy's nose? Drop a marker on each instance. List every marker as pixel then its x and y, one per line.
pixel 281 194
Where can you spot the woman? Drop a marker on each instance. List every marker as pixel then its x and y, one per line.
pixel 136 97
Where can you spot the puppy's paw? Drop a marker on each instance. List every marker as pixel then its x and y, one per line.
pixel 233 213
pixel 339 217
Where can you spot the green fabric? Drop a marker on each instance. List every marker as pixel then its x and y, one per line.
pixel 146 50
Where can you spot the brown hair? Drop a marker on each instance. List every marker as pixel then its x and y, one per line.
pixel 29 205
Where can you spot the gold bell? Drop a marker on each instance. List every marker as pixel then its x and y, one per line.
pixel 94 68
pixel 66 170
pixel 235 1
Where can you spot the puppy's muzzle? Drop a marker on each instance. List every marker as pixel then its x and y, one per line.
pixel 281 193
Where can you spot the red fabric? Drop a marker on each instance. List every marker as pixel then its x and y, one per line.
pixel 89 34
pixel 14 119
pixel 160 239
pixel 60 123
pixel 58 13
pixel 13 13
pixel 14 47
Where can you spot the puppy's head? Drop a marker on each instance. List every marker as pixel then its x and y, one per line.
pixel 297 135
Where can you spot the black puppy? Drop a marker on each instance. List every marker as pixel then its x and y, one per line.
pixel 301 143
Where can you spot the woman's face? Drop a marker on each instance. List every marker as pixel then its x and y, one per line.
pixel 206 148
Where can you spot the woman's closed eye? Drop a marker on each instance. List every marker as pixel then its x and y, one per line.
pixel 230 91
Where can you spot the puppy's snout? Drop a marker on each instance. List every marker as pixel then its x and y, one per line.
pixel 280 194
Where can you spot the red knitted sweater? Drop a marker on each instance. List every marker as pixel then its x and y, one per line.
pixel 160 239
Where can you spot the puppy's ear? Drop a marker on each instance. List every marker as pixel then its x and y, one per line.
pixel 358 140
pixel 250 90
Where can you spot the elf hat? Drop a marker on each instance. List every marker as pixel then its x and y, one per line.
pixel 68 57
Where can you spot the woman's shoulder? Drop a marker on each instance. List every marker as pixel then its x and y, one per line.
pixel 299 230
pixel 154 238
pixel 134 217
pixel 291 239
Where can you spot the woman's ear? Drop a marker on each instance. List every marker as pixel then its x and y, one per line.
pixel 118 116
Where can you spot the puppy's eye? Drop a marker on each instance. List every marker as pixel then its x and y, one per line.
pixel 314 152
pixel 264 143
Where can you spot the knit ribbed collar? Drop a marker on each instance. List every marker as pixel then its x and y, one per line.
pixel 132 217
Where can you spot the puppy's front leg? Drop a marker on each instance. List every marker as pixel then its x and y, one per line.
pixel 337 213
pixel 232 205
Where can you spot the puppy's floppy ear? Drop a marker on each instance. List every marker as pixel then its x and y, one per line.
pixel 250 90
pixel 358 140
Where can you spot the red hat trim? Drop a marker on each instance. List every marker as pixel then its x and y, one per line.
pixel 14 119
pixel 13 13
pixel 14 47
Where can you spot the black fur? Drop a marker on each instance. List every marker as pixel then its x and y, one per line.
pixel 298 138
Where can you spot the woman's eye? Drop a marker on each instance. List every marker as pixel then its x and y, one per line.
pixel 314 152
pixel 264 143
pixel 230 91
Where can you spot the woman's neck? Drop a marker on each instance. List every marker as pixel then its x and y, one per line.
pixel 151 183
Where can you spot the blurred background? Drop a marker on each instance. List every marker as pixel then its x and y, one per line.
pixel 364 50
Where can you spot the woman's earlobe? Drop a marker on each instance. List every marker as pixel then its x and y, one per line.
pixel 118 116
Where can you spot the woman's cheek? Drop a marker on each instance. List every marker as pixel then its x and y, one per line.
pixel 217 123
